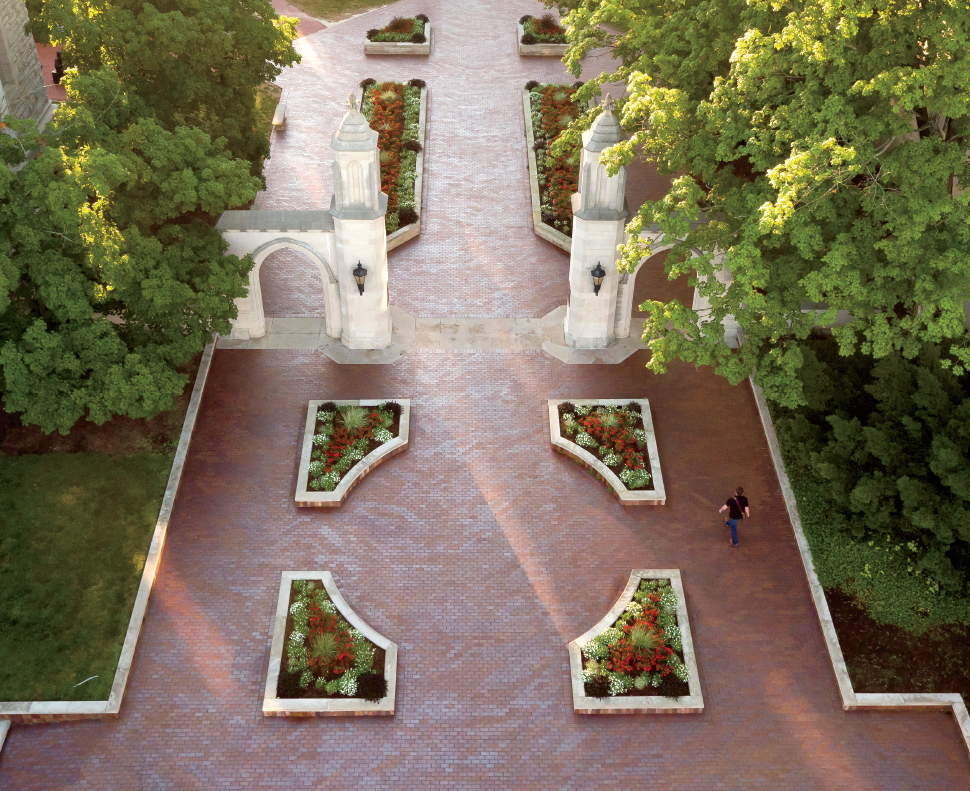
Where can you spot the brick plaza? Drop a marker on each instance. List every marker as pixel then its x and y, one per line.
pixel 479 550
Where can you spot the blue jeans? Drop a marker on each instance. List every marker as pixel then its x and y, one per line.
pixel 733 524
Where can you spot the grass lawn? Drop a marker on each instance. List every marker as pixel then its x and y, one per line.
pixel 74 532
pixel 267 97
pixel 335 10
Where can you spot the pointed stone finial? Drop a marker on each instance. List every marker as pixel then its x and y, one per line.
pixel 607 104
pixel 352 102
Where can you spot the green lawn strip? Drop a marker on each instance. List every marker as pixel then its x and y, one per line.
pixel 335 10
pixel 74 533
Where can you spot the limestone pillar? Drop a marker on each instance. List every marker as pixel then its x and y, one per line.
pixel 358 208
pixel 599 218
pixel 22 91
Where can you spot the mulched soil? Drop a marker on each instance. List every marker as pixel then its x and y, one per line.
pixel 616 468
pixel 395 429
pixel 291 679
pixel 884 658
pixel 670 687
pixel 119 436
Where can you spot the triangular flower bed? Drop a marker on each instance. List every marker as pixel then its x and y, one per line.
pixel 639 659
pixel 345 440
pixel 325 661
pixel 614 439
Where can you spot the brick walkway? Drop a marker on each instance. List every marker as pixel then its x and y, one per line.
pixel 479 550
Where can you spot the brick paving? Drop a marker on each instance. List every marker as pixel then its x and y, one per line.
pixel 479 551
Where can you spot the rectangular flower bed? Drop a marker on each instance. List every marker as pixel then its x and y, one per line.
pixel 549 108
pixel 343 441
pixel 324 659
pixel 397 112
pixel 639 659
pixel 541 37
pixel 615 440
pixel 401 36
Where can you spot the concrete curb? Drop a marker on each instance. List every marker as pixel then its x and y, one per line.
pixel 323 707
pixel 399 47
pixel 310 499
pixel 413 230
pixel 851 701
pixel 691 704
pixel 542 230
pixel 539 50
pixel 655 496
pixel 59 710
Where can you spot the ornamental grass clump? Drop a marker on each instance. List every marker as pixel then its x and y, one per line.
pixel 553 109
pixel 616 434
pixel 393 110
pixel 343 436
pixel 642 652
pixel 324 656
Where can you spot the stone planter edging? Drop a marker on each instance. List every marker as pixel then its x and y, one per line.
pixel 655 496
pixel 690 704
pixel 37 711
pixel 306 498
pixel 324 707
pixel 412 230
pixel 539 50
pixel 541 229
pixel 399 47
pixel 851 700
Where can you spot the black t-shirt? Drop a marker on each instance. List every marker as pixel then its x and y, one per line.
pixel 737 506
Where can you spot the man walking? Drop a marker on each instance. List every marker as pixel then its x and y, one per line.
pixel 737 508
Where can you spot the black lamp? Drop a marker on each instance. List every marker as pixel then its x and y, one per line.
pixel 359 274
pixel 598 274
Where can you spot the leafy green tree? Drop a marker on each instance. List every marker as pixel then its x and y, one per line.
pixel 192 62
pixel 826 145
pixel 889 442
pixel 112 274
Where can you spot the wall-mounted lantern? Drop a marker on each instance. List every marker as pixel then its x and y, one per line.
pixel 598 274
pixel 359 274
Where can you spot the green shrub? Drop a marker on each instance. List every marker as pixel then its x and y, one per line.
pixel 886 446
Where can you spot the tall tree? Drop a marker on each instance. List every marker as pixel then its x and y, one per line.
pixel 192 62
pixel 112 274
pixel 826 145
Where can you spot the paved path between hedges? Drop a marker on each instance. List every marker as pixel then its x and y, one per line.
pixel 479 550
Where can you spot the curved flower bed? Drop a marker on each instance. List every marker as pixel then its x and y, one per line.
pixel 616 434
pixel 544 30
pixel 642 652
pixel 401 29
pixel 323 655
pixel 552 110
pixel 393 110
pixel 345 434
pixel 639 659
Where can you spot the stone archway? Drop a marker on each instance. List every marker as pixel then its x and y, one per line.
pixel 331 292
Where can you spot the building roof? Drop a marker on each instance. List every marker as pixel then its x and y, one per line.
pixel 354 133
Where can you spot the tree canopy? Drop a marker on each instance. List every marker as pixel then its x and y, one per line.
pixel 825 144
pixel 112 274
pixel 192 62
